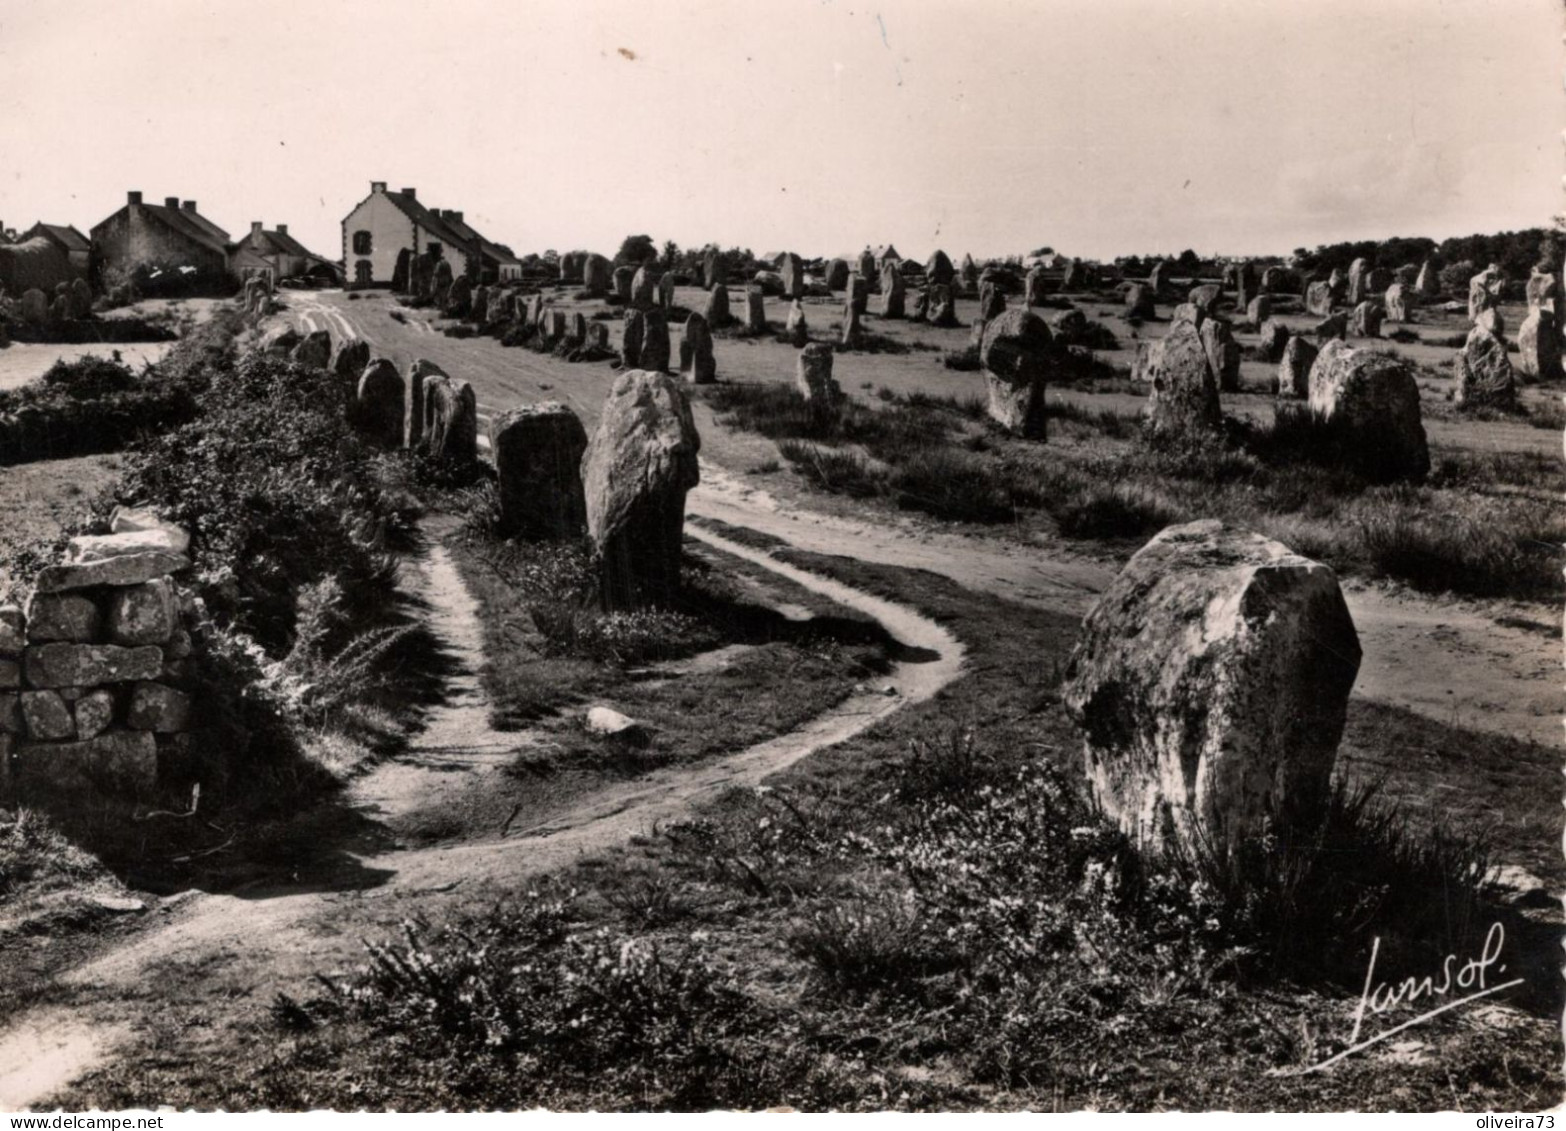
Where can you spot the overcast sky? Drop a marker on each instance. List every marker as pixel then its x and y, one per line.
pixel 1098 127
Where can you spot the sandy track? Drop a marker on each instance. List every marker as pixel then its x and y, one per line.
pixel 256 945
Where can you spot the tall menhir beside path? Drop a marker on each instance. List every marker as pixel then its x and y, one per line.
pixel 538 462
pixel 639 465
pixel 1210 683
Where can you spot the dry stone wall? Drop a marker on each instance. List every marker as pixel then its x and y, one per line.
pixel 95 670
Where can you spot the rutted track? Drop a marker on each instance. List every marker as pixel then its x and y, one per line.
pixel 228 947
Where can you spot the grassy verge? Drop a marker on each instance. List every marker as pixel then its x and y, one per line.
pixel 1483 524
pixel 923 917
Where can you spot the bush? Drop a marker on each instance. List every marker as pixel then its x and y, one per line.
pixel 87 406
pixel 278 493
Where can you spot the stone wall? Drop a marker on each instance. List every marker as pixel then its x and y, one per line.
pixel 94 671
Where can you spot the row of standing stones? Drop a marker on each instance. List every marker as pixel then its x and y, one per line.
pixel 96 669
pixel 1211 680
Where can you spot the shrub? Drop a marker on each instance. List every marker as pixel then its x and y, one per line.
pixel 1116 510
pixel 87 406
pixel 277 492
pixel 964 361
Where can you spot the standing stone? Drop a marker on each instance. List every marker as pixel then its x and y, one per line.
pixel 798 331
pixel 992 303
pixel 1484 291
pixel 697 366
pixel 555 325
pixel 1318 299
pixel 1491 322
pixel 450 420
pixel 538 464
pixel 1377 280
pixel 578 331
pixel 1397 300
pixel 350 360
pixel 315 351
pixel 1158 277
pixel 666 291
pixel 853 332
pixel 622 283
pixel 1033 287
pixel 440 284
pixel 715 272
pixel 413 423
pixel 1484 372
pixel 894 293
pixel 402 272
pixel 379 404
pixel 1140 301
pixel 943 308
pixel 717 310
pixel 640 463
pixel 793 272
pixel 597 275
pixel 1366 320
pixel 968 274
pixel 1337 285
pixel 631 339
pixel 1333 326
pixel 644 288
pixel 478 304
pixel 1428 285
pixel 1357 282
pixel 1274 281
pixel 534 318
pixel 867 267
pixel 1541 290
pixel 1539 345
pixel 813 376
pixel 1294 368
pixel 755 311
pixel 1223 354
pixel 837 274
pixel 1373 400
pixel 1015 354
pixel 1211 683
pixel 35 307
pixel 920 308
pixel 1206 297
pixel 655 342
pixel 1184 394
pixel 459 297
pixel 597 336
pixel 1244 284
pixel 501 308
pixel 1259 310
pixel 938 269
pixel 1271 340
pixel 859 293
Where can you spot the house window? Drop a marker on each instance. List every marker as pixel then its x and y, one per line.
pixel 434 249
pixel 362 272
pixel 361 243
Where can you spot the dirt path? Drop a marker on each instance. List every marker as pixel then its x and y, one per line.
pixel 227 949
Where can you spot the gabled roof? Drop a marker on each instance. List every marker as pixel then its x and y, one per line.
pixel 188 224
pixel 63 234
pixel 429 221
pixel 489 248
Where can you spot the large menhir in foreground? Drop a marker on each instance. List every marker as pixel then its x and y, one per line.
pixel 1211 683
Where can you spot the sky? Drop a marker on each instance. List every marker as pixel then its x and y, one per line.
pixel 1096 127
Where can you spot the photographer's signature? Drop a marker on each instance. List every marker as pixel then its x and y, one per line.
pixel 1472 978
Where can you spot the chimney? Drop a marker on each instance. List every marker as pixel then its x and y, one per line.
pixel 411 194
pixel 171 202
pixel 189 206
pixel 282 229
pixel 457 216
pixel 133 198
pixel 255 227
pixel 377 186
